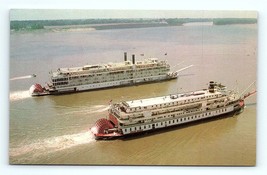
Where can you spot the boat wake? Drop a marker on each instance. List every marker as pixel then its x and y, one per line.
pixel 88 110
pixel 50 145
pixel 22 77
pixel 99 108
pixel 19 95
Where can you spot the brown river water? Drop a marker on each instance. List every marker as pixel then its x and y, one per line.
pixel 55 129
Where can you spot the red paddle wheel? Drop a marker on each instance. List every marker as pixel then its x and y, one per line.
pixel 103 128
pixel 36 88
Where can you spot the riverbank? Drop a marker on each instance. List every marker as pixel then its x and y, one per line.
pixel 106 24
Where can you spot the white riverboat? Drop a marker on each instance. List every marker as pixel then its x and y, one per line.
pixel 136 116
pixel 90 77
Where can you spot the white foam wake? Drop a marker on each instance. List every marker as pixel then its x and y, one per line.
pixel 88 110
pixel 49 145
pixel 21 77
pixel 102 109
pixel 19 95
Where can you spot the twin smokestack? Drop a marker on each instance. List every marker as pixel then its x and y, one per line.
pixel 133 57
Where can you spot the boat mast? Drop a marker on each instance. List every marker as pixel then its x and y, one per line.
pixel 244 95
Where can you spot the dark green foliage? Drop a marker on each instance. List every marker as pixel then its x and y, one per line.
pixel 181 21
pixel 37 26
pixel 30 25
pixel 224 21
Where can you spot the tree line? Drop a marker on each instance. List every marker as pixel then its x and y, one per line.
pixel 40 24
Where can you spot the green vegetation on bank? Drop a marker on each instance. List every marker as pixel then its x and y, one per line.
pixel 123 23
pixel 224 21
pixel 181 21
pixel 40 24
pixel 26 25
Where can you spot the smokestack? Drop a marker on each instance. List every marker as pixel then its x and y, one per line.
pixel 212 87
pixel 125 56
pixel 133 60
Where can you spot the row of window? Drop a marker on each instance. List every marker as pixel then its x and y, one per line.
pixel 97 80
pixel 172 121
pixel 60 83
pixel 196 108
pixel 122 70
pixel 158 69
pixel 104 76
pixel 190 109
pixel 59 79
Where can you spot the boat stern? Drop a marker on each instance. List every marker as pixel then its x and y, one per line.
pixel 104 129
pixel 36 89
pixel 239 108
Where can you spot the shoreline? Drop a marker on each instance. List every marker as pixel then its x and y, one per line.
pixel 113 26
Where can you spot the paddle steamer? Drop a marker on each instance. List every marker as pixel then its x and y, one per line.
pixel 136 116
pixel 90 77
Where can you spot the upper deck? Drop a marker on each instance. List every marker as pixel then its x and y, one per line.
pixel 170 100
pixel 166 99
pixel 109 67
pixel 214 92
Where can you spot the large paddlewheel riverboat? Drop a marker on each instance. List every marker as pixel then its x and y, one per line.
pixel 90 77
pixel 136 116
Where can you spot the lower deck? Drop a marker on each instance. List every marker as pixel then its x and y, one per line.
pixel 177 120
pixel 83 87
